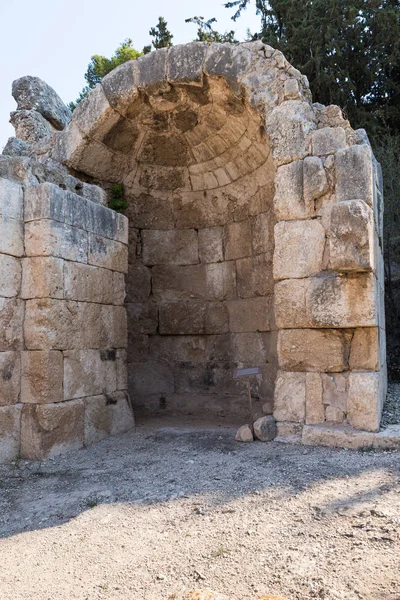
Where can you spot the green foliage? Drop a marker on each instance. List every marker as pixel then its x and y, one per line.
pixel 99 66
pixel 206 33
pixel 117 201
pixel 162 37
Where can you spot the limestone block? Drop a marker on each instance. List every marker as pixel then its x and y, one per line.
pixel 254 276
pixel 313 350
pixel 138 287
pixel 193 317
pixel 289 433
pixel 334 394
pixel 142 317
pixel 87 283
pixel 89 372
pixel 237 238
pixel 315 412
pixel 11 199
pixel 178 348
pixel 122 371
pixel 42 375
pixel 253 349
pixel 328 140
pixel 69 146
pixel 51 238
pixel 11 324
pixel 337 301
pixel 119 288
pixel 150 378
pixel 107 253
pixel 289 202
pixel 263 233
pixel 299 248
pixel 152 70
pixel 288 126
pixel 44 201
pixel 228 61
pixel 220 281
pixel 150 212
pixel 94 116
pixel 290 397
pixel 250 314
pixel 290 303
pixel 113 326
pixel 121 415
pixel 354 174
pixel 51 429
pixel 291 89
pixel 42 277
pixel 185 63
pixel 96 419
pixel 211 245
pixel 120 87
pixel 265 428
pixel 364 355
pixel 176 247
pixel 30 126
pixel 10 431
pixel 315 180
pixel 363 405
pixel 31 93
pixel 337 436
pixel 10 276
pixel 11 236
pixel 244 434
pixel 10 378
pixel 351 243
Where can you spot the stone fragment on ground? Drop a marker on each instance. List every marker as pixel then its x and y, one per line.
pixel 265 428
pixel 244 434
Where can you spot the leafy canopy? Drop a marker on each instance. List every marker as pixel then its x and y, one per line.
pixel 206 33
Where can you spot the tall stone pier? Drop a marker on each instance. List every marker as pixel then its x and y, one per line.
pixel 252 237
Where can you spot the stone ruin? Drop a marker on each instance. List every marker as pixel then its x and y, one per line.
pixel 252 237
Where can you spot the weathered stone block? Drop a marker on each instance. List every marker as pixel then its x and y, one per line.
pixel 10 276
pixel 299 248
pixel 351 242
pixel 291 89
pixel 138 287
pixel 42 375
pixel 107 253
pixel 10 378
pixel 11 199
pixel 138 347
pixel 142 317
pixel 364 355
pixel 193 317
pixel 152 70
pixel 288 126
pixel 119 288
pixel 11 236
pixel 89 372
pixel 175 247
pixel 94 116
pixel 122 369
pixel 42 277
pixel 96 419
pixel 244 434
pixel 289 200
pixel 328 140
pixel 185 63
pixel 44 201
pixel 30 126
pixel 11 324
pixel 51 324
pixel 250 314
pixel 52 238
pixel 363 403
pixel 150 378
pixel 113 326
pixel 178 348
pixel 31 93
pixel 315 180
pixel 254 276
pixel 227 61
pixel 220 281
pixel 265 428
pixel 290 303
pixel 313 350
pixel 290 397
pixel 51 429
pixel 120 87
pixel 335 392
pixel 10 432
pixel 237 240
pixel 211 245
pixel 315 412
pixel 87 283
pixel 120 411
pixel 354 174
pixel 213 281
pixel 263 233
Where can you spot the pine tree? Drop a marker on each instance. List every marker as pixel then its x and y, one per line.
pixel 162 37
pixel 206 33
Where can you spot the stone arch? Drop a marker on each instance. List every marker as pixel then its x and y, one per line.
pixel 255 226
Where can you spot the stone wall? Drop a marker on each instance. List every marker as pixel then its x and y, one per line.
pixel 254 239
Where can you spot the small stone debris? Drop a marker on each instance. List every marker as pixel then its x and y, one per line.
pixel 265 428
pixel 244 434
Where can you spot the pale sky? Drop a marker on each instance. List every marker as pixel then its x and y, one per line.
pixel 54 39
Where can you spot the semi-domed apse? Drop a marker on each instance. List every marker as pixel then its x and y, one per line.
pixel 251 237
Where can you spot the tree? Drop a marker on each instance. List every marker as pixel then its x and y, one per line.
pixel 349 50
pixel 206 33
pixel 99 66
pixel 162 37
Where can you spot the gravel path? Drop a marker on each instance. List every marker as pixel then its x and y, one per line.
pixel 391 409
pixel 138 517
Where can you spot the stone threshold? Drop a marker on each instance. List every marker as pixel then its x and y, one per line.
pixel 344 436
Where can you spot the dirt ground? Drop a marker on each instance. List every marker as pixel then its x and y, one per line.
pixel 142 516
